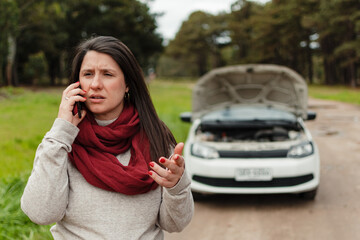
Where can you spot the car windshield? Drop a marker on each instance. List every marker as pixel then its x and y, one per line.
pixel 248 116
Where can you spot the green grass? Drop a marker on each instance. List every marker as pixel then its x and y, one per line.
pixel 26 116
pixel 170 99
pixel 336 93
pixel 14 224
pixel 24 120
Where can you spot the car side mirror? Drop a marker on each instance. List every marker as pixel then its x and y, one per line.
pixel 185 116
pixel 311 115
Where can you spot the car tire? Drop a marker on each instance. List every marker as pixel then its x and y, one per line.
pixel 199 196
pixel 309 195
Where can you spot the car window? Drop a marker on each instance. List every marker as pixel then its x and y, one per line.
pixel 249 114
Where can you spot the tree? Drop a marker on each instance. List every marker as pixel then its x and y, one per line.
pixel 338 22
pixel 199 41
pixel 241 28
pixel 273 33
pixel 8 22
pixel 293 33
pixel 128 20
pixel 309 43
pixel 347 22
pixel 53 28
pixel 42 30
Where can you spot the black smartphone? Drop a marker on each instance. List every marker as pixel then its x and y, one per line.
pixel 78 107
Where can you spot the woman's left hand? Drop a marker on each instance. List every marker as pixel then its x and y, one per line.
pixel 175 166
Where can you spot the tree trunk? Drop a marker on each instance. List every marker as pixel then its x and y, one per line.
pixel 310 71
pixel 201 63
pixel 52 72
pixel 1 73
pixel 10 60
pixel 352 71
pixel 15 76
pixel 9 72
pixel 330 71
pixel 218 61
pixel 53 63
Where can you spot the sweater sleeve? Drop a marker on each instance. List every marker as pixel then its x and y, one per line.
pixel 177 206
pixel 45 196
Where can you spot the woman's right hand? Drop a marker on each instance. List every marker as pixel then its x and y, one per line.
pixel 69 97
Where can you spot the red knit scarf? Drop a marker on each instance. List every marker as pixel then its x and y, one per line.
pixel 95 149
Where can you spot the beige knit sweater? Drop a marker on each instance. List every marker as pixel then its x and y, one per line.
pixel 57 193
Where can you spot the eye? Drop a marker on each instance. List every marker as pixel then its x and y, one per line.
pixel 87 74
pixel 108 74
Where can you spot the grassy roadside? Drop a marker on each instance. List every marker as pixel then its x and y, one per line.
pixel 336 93
pixel 24 120
pixel 25 117
pixel 14 224
pixel 170 99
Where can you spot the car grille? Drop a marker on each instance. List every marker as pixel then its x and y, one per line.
pixel 275 182
pixel 254 154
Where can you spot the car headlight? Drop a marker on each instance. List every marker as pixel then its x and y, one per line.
pixel 203 151
pixel 301 150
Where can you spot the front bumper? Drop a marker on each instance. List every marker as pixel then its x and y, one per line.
pixel 288 175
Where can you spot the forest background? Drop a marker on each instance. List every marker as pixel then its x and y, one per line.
pixel 320 39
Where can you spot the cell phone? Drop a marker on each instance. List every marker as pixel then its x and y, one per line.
pixel 78 107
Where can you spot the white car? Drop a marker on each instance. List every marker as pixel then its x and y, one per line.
pixel 248 134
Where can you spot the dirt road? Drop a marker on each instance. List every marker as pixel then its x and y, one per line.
pixel 334 214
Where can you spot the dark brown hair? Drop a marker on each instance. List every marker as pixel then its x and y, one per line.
pixel 160 137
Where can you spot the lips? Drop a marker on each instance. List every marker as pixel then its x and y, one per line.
pixel 96 98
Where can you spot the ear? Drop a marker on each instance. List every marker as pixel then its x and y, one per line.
pixel 127 89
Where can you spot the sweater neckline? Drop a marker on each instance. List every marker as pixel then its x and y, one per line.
pixel 104 123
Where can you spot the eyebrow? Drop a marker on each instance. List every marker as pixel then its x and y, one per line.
pixel 103 70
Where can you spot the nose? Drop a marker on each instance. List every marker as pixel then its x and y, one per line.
pixel 96 82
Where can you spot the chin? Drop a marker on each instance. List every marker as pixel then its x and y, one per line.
pixel 95 109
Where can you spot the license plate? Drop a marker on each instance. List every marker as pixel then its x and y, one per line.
pixel 253 174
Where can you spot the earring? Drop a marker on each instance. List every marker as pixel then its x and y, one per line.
pixel 127 95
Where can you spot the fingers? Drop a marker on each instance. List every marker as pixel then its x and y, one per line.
pixel 163 177
pixel 71 87
pixel 77 120
pixel 70 96
pixel 177 156
pixel 70 101
pixel 179 148
pixel 73 93
pixel 72 90
pixel 175 166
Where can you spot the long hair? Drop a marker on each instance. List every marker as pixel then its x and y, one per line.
pixel 159 135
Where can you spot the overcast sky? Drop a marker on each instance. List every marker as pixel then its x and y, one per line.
pixel 177 11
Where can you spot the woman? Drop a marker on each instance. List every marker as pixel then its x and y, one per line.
pixel 97 173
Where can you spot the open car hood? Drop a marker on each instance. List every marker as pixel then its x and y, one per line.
pixel 250 85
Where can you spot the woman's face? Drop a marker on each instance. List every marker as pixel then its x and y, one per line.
pixel 103 80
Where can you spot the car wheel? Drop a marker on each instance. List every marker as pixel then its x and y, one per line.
pixel 310 195
pixel 199 196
